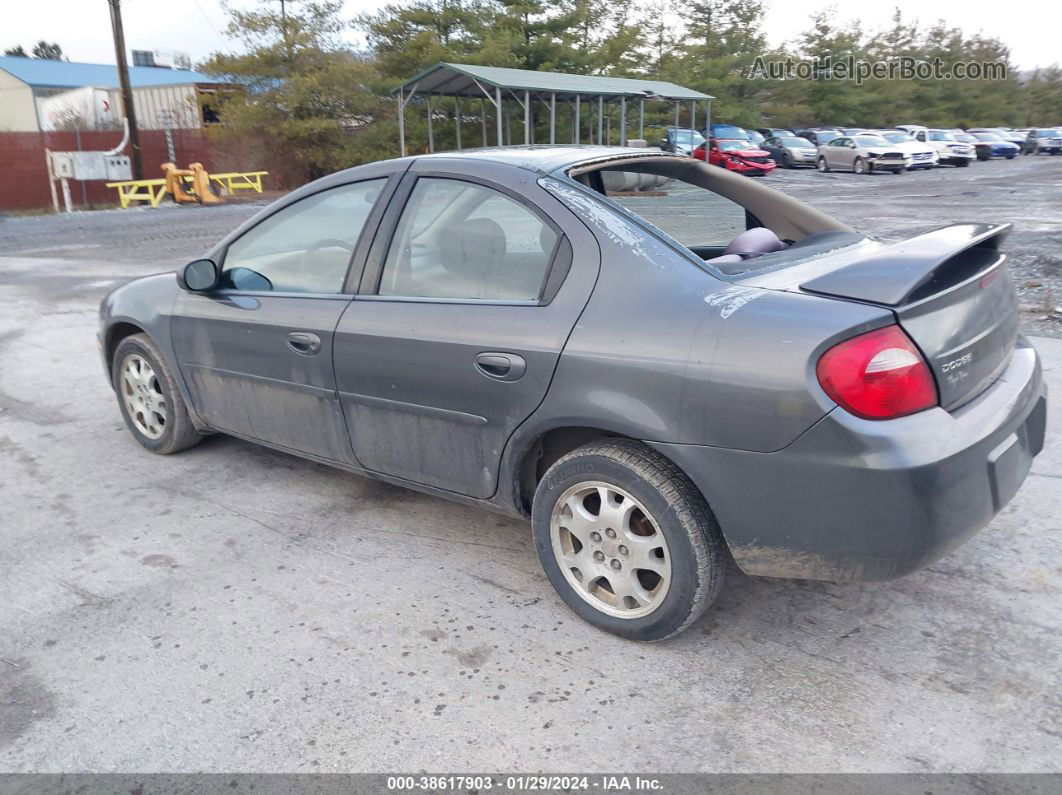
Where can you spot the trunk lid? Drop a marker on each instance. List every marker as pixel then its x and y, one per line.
pixel 951 293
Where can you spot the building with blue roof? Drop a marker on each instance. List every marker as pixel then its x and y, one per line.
pixel 38 94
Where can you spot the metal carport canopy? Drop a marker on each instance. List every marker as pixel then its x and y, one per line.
pixel 491 82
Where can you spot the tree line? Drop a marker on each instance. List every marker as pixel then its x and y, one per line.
pixel 320 105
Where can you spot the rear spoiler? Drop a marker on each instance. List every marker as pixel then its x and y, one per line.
pixel 915 268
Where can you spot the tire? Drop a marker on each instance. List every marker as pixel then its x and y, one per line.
pixel 984 156
pixel 685 547
pixel 149 384
pixel 860 166
pixel 787 160
pixel 963 163
pixel 1010 157
pixel 822 165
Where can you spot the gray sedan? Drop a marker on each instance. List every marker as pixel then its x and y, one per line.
pixel 660 380
pixel 789 151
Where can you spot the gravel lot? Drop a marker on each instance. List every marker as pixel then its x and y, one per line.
pixel 236 609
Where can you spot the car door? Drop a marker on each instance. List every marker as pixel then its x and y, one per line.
pixel 256 353
pixel 472 287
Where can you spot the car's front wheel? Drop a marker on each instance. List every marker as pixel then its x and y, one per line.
pixel 822 165
pixel 860 166
pixel 149 399
pixel 627 540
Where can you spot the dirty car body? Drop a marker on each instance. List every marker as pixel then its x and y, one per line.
pixel 398 357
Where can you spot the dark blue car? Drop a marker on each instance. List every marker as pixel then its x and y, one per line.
pixel 991 145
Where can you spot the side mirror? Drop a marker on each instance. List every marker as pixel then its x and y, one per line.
pixel 198 276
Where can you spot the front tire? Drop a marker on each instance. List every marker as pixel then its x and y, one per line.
pixel 626 539
pixel 860 166
pixel 148 397
pixel 822 165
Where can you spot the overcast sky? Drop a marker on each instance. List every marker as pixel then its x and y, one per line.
pixel 82 27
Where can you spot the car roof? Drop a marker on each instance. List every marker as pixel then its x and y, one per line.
pixel 542 158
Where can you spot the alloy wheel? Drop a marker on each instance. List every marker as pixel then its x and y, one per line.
pixel 610 549
pixel 142 396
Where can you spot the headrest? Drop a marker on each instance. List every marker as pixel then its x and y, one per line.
pixel 754 242
pixel 478 247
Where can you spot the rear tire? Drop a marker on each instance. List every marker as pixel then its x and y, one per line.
pixel 626 539
pixel 822 165
pixel 149 399
pixel 963 163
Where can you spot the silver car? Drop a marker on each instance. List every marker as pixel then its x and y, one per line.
pixel 790 151
pixel 862 154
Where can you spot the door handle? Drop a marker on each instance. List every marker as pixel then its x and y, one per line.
pixel 501 366
pixel 304 342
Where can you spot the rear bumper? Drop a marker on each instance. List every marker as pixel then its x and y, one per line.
pixel 854 499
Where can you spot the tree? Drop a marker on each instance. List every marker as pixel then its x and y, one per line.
pixel 307 100
pixel 48 52
pixel 18 50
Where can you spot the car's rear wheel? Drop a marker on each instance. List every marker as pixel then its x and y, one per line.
pixel 822 165
pixel 787 160
pixel 627 540
pixel 963 163
pixel 149 399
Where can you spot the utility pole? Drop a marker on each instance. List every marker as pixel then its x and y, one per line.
pixel 127 90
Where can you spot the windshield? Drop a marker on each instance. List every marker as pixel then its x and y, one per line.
pixel 1049 133
pixel 987 137
pixel 796 143
pixel 896 137
pixel 940 135
pixel 687 137
pixel 871 140
pixel 730 146
pixel 728 131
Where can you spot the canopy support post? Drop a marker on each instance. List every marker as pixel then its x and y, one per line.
pixel 575 126
pixel 457 120
pixel 401 124
pixel 553 118
pixel 693 115
pixel 676 115
pixel 483 121
pixel 498 104
pixel 708 118
pixel 527 118
pixel 431 137
pixel 641 119
pixel 600 119
pixel 623 122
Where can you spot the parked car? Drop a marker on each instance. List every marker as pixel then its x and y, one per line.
pixel 789 151
pixel 726 132
pixel 1006 134
pixel 489 327
pixel 775 132
pixel 1043 140
pixel 989 145
pixel 862 154
pixel 949 151
pixel 819 136
pixel 755 137
pixel 920 155
pixel 740 156
pixel 681 140
pixel 853 130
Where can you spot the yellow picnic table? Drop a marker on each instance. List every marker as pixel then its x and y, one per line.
pixel 140 190
pixel 240 180
pixel 153 190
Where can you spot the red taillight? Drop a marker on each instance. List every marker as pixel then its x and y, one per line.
pixel 878 375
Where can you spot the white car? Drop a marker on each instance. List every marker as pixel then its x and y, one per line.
pixel 922 155
pixel 949 151
pixel 862 154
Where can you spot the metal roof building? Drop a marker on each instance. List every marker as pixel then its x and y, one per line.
pixel 498 85
pixel 26 82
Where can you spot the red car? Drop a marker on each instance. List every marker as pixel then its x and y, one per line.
pixel 740 156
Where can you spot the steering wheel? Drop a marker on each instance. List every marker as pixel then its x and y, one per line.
pixel 306 259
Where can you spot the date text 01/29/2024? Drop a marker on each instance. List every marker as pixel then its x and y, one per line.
pixel 521 783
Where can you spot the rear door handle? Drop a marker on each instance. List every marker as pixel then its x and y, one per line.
pixel 304 342
pixel 501 366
